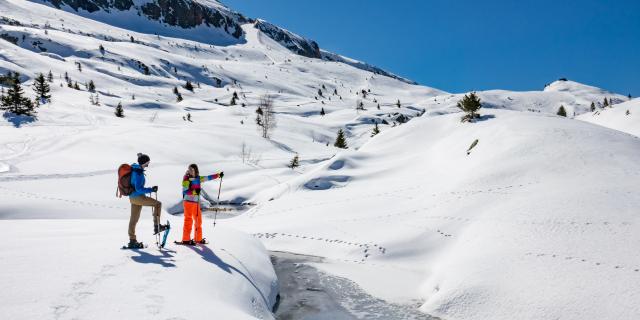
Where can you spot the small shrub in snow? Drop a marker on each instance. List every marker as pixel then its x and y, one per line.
pixel 375 130
pixel 295 162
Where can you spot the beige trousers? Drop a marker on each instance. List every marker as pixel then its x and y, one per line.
pixel 136 207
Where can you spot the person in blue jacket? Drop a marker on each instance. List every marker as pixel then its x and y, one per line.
pixel 139 199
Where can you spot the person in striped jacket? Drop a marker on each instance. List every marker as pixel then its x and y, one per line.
pixel 191 202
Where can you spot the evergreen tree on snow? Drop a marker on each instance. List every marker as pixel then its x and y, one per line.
pixel 470 104
pixel 398 104
pixel 322 112
pixel 101 50
pixel 119 110
pixel 41 88
pixel 561 111
pixel 91 86
pixel 605 103
pixel 593 107
pixel 50 77
pixel 189 86
pixel 15 102
pixel 320 92
pixel 341 142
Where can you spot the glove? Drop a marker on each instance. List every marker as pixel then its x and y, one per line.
pixel 221 174
pixel 154 188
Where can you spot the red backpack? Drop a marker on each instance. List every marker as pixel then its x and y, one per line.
pixel 124 181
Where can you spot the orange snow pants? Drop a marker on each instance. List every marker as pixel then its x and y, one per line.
pixel 192 216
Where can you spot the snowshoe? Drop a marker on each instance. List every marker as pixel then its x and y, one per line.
pixel 185 243
pixel 133 244
pixel 157 228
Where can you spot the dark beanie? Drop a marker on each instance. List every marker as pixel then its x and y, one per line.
pixel 143 158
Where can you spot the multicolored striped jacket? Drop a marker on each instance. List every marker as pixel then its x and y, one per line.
pixel 191 186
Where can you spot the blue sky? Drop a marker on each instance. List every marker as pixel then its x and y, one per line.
pixel 460 46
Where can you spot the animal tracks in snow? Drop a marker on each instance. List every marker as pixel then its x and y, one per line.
pixel 367 248
pixel 570 258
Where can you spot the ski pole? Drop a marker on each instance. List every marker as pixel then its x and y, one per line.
pixel 215 217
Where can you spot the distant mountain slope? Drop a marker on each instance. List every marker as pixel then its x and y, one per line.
pixel 624 117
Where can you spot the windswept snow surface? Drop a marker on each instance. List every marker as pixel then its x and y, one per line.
pixel 538 221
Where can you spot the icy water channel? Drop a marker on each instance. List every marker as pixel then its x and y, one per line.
pixel 309 294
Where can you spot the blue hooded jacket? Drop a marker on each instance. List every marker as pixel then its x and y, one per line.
pixel 137 181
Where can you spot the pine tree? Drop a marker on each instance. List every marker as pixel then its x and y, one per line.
pixel 66 77
pixel 119 110
pixel 79 66
pixel 375 131
pixel 398 104
pixel 322 112
pixel 189 86
pixel 41 88
pixel 101 50
pixel 50 77
pixel 295 162
pixel 234 98
pixel 470 104
pixel 605 103
pixel 132 39
pixel 178 94
pixel 593 107
pixel 627 113
pixel 91 86
pixel 320 92
pixel 76 86
pixel 561 111
pixel 378 106
pixel 15 101
pixel 341 142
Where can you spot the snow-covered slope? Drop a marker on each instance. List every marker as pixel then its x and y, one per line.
pixel 539 221
pixel 624 117
pixel 541 203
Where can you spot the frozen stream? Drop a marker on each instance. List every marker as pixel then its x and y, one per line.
pixel 309 294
